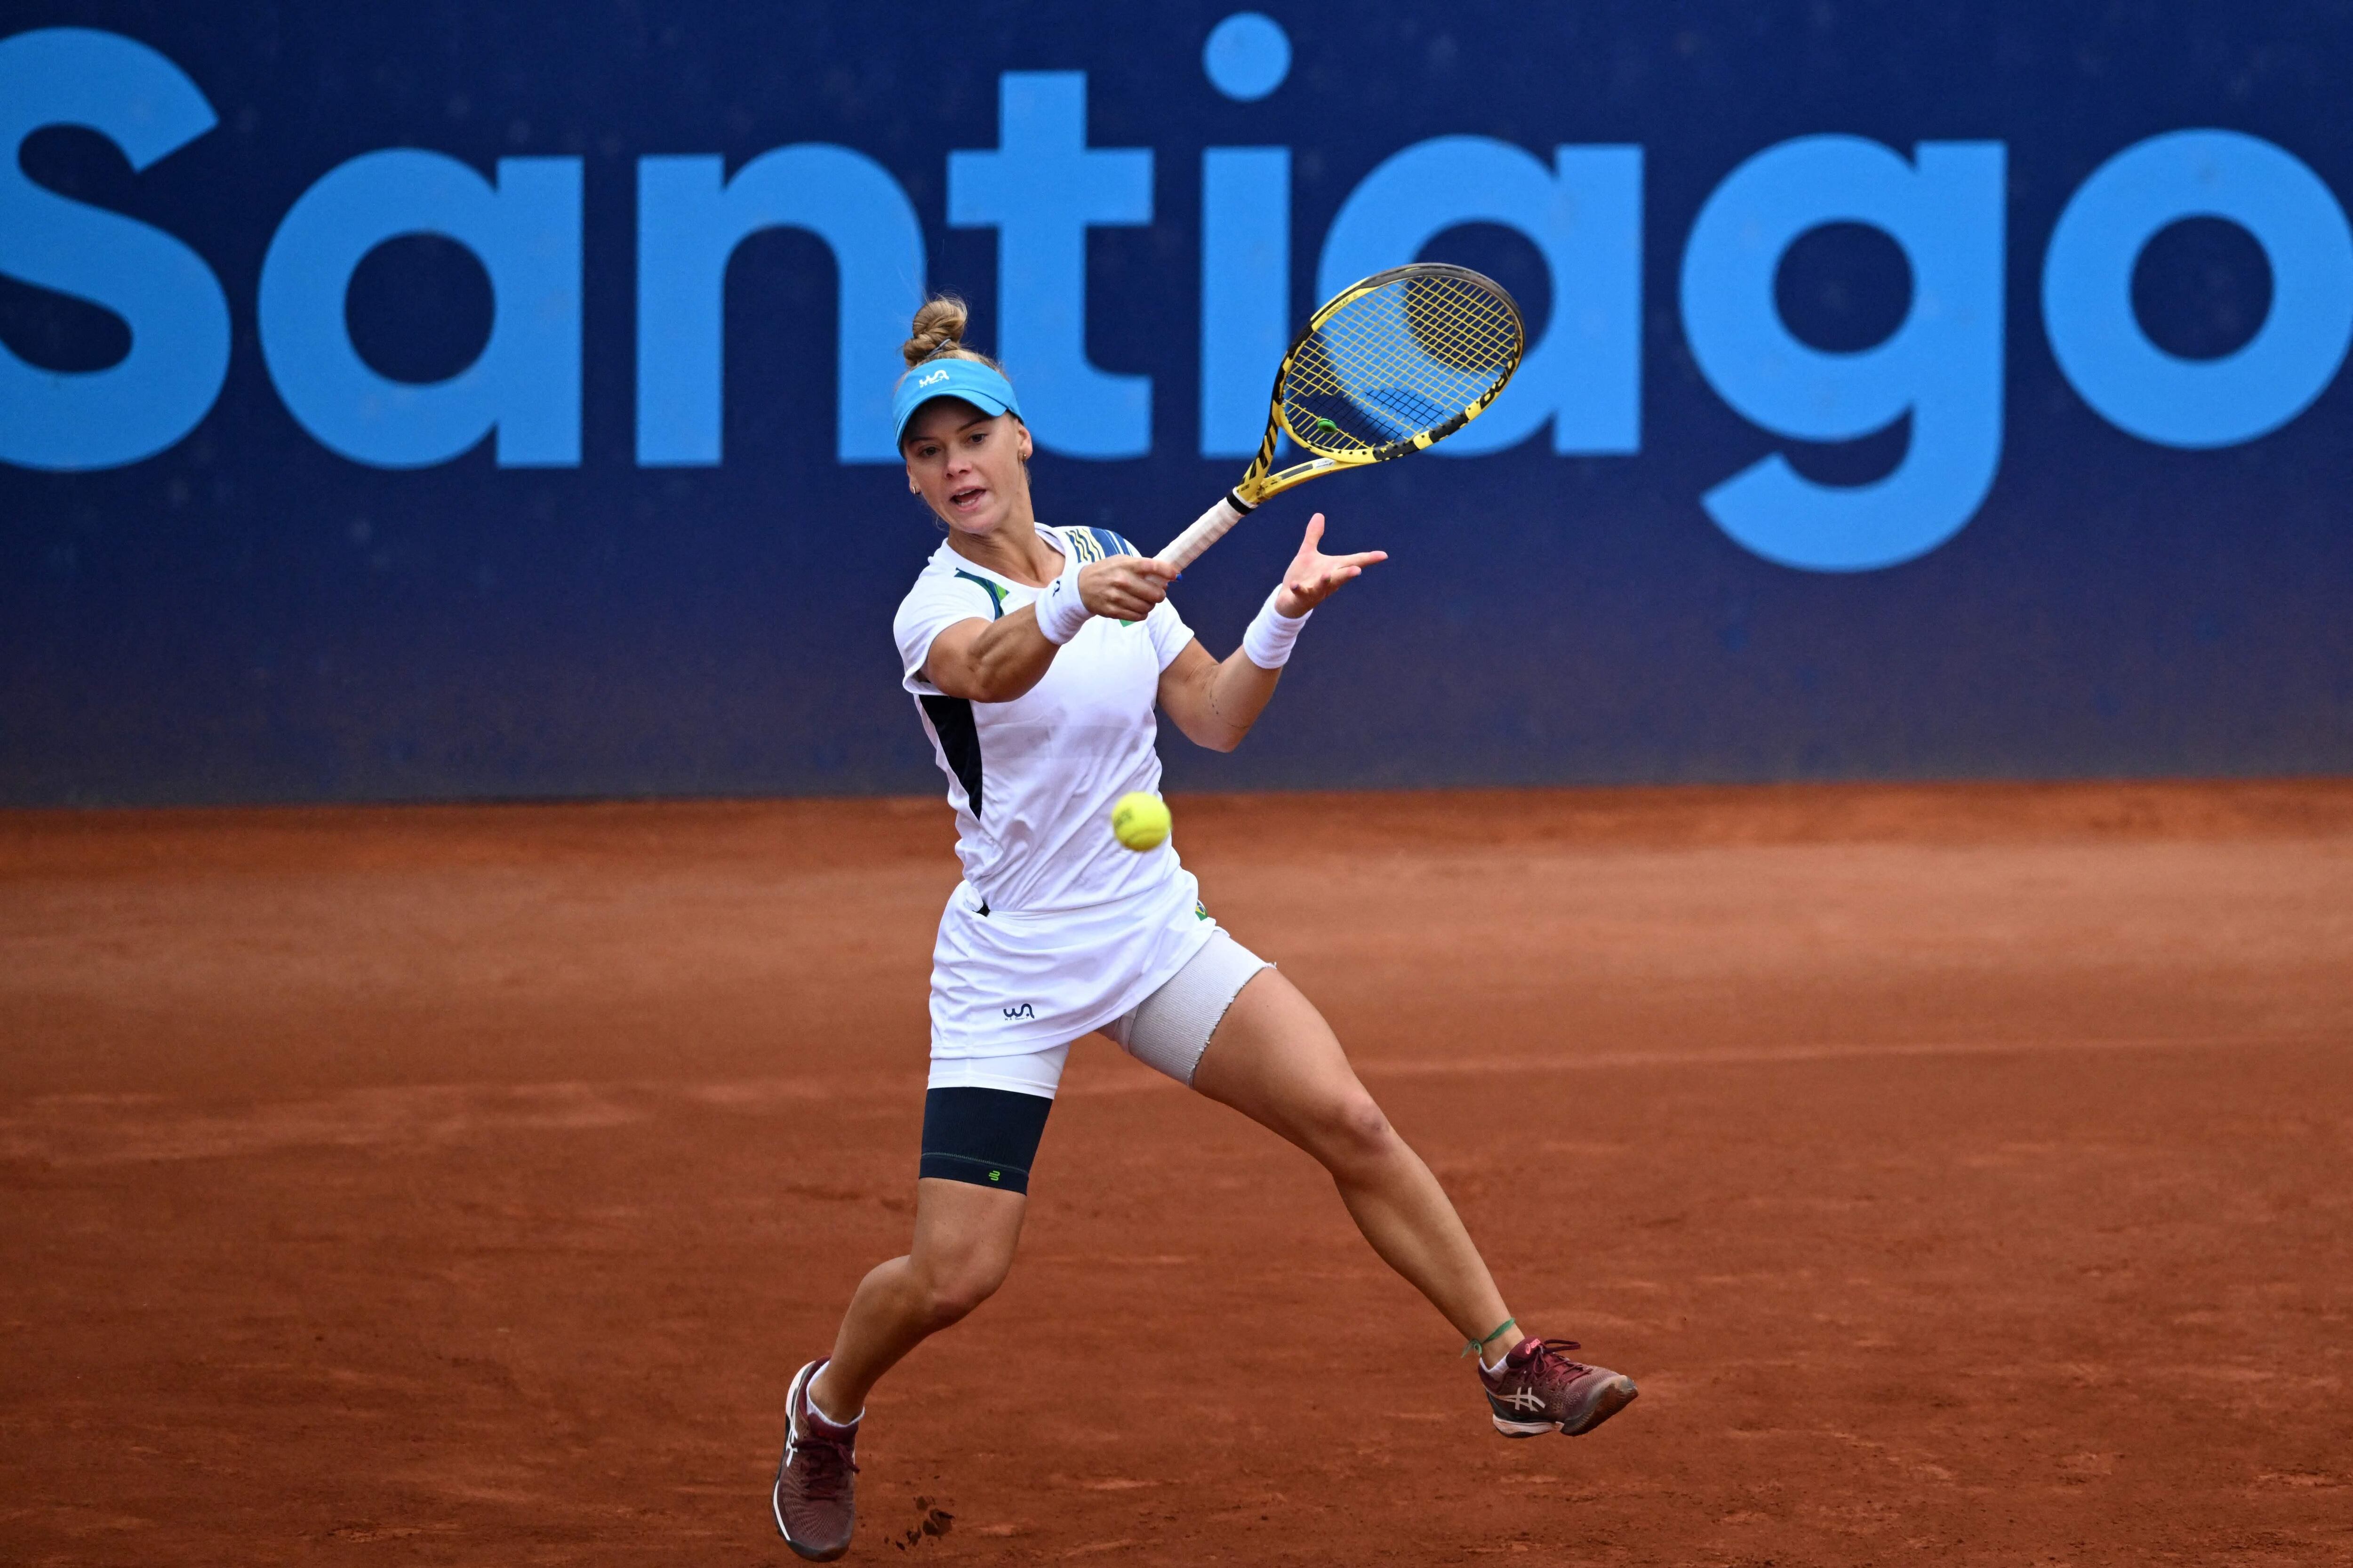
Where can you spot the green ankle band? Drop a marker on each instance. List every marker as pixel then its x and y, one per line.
pixel 1469 1346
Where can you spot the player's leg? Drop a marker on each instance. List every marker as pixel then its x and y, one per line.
pixel 964 1239
pixel 971 1191
pixel 1274 1058
pixel 983 1122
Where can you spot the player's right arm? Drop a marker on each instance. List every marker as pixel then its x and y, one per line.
pixel 990 661
pixel 996 661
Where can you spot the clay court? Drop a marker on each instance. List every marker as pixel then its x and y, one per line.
pixel 1966 1174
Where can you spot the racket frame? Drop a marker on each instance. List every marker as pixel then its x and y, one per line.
pixel 1259 483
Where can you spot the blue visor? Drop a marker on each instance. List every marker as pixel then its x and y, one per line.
pixel 968 379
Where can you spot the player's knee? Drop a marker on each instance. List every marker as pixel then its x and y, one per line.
pixel 1353 1134
pixel 952 1300
pixel 954 1287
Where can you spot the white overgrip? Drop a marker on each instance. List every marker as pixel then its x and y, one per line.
pixel 1207 529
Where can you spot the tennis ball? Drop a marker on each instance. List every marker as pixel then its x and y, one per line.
pixel 1140 821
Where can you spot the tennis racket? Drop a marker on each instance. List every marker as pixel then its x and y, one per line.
pixel 1390 365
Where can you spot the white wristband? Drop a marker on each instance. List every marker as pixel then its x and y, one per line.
pixel 1268 642
pixel 1060 611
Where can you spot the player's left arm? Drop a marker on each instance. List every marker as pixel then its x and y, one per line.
pixel 1215 701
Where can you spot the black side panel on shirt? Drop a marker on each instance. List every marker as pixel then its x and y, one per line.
pixel 987 1137
pixel 959 742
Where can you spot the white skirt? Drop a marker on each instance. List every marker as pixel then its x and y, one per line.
pixel 1010 982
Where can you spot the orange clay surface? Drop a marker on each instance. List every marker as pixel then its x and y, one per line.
pixel 1966 1174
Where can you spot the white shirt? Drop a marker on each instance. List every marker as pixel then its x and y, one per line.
pixel 1033 780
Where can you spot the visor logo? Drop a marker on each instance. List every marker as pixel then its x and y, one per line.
pixel 934 379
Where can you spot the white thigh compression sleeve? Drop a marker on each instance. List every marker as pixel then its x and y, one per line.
pixel 1169 1030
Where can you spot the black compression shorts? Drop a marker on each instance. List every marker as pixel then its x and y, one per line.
pixel 984 1136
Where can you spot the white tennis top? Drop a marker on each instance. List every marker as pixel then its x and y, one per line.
pixel 1033 780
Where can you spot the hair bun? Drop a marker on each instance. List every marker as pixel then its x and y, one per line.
pixel 938 327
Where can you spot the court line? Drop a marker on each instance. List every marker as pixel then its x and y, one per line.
pixel 72 1130
pixel 1438 1066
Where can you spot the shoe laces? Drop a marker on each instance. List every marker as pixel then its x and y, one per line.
pixel 826 1467
pixel 1552 1351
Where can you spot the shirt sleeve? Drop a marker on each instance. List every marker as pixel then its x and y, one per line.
pixel 1169 632
pixel 931 608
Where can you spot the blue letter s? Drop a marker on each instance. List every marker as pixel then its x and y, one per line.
pixel 179 321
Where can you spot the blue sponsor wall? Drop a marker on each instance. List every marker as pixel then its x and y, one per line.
pixel 433 400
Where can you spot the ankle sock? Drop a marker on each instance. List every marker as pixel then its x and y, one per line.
pixel 819 1411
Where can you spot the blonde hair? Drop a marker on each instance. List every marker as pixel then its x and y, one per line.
pixel 937 332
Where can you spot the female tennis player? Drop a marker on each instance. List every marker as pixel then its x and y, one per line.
pixel 1036 655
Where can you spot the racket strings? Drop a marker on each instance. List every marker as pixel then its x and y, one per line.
pixel 1461 326
pixel 1397 361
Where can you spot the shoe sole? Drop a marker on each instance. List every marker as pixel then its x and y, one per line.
pixel 777 1492
pixel 1613 1397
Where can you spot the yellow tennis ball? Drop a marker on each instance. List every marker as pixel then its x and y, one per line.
pixel 1140 821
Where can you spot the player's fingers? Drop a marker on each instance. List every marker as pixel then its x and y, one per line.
pixel 1315 529
pixel 1320 586
pixel 1111 588
pixel 1148 566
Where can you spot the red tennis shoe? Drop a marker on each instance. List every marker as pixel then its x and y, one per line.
pixel 815 1495
pixel 1538 1390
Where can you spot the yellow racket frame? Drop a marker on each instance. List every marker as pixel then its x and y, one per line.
pixel 1261 480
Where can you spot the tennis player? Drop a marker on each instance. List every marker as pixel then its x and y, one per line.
pixel 1036 655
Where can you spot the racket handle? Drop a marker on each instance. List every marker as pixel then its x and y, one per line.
pixel 1207 529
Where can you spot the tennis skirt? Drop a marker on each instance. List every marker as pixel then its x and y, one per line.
pixel 1012 983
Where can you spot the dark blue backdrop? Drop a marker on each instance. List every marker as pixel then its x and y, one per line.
pixel 248 616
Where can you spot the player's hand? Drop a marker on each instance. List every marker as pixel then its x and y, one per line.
pixel 1123 587
pixel 1312 576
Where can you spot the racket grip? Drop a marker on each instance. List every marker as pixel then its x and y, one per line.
pixel 1207 529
